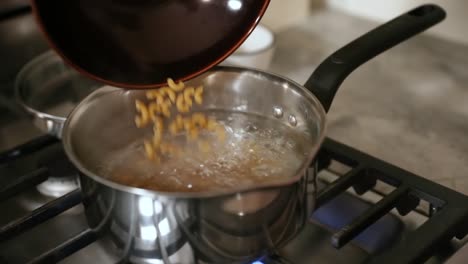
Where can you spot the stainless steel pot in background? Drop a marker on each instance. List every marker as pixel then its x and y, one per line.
pixel 48 90
pixel 230 226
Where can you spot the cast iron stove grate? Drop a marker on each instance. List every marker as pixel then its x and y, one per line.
pixel 448 214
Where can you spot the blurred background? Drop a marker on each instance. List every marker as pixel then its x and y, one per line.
pixel 453 27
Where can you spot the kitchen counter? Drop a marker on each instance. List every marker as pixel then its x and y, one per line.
pixel 408 106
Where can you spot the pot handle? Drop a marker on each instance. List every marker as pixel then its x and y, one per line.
pixel 328 76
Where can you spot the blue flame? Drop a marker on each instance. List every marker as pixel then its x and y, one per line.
pixel 257 262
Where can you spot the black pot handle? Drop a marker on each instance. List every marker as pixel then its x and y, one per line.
pixel 329 75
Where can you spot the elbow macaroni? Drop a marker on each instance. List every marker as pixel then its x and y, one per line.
pixel 143 119
pixel 192 124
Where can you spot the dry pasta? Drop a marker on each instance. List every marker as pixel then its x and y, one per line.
pixel 143 119
pixel 188 94
pixel 169 92
pixel 176 87
pixel 198 95
pixel 182 105
pixel 179 98
pixel 149 150
pixel 165 105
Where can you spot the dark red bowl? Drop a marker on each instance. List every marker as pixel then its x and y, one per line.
pixel 140 43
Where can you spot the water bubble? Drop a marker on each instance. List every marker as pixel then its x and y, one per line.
pixel 273 151
pixel 175 180
pixel 277 112
pixel 262 170
pixel 250 128
pixel 292 120
pixel 229 129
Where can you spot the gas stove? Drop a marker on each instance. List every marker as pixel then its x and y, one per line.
pixel 415 221
pixel 368 211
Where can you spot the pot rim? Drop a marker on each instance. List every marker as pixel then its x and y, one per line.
pixel 47 56
pixel 66 141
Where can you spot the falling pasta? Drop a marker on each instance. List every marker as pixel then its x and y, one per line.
pixel 161 103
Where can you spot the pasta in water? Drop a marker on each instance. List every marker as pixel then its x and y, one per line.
pixel 188 147
pixel 189 158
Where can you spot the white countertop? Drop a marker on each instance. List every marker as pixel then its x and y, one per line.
pixel 408 106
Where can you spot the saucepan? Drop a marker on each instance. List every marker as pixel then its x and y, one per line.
pixel 284 124
pixel 48 90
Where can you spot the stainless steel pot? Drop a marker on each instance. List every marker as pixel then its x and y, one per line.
pixel 229 226
pixel 48 90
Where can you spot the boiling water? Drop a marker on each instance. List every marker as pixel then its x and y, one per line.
pixel 256 150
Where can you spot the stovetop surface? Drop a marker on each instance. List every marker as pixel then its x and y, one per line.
pixel 344 229
pixel 311 246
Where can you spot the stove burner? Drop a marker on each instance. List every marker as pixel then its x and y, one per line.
pixel 57 187
pixel 63 177
pixel 54 173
